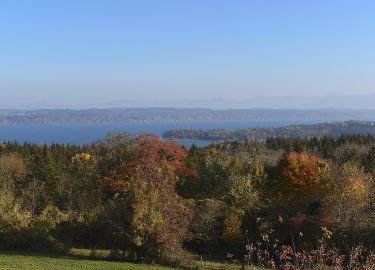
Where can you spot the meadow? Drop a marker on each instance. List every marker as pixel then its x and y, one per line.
pixel 30 261
pixel 84 260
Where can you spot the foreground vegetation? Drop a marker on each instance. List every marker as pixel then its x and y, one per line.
pixel 286 203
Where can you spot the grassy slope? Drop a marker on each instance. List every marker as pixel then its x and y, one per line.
pixel 34 261
pixel 24 261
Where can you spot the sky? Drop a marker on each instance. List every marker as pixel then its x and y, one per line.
pixel 113 53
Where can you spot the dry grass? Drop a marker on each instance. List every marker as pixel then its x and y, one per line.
pixel 269 253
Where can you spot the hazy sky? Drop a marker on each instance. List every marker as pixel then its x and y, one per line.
pixel 102 53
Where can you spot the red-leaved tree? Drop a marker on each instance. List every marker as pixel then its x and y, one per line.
pixel 158 216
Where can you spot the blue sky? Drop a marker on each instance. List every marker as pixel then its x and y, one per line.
pixel 92 53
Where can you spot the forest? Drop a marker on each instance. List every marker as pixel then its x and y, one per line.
pixel 287 203
pixel 263 133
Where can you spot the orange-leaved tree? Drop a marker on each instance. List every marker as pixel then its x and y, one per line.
pixel 302 185
pixel 158 217
pixel 303 177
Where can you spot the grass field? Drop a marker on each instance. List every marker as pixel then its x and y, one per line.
pixel 23 261
pixel 29 261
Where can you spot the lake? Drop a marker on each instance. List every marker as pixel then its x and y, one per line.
pixel 86 133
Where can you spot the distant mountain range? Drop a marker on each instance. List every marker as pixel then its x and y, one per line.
pixel 119 115
pixel 356 102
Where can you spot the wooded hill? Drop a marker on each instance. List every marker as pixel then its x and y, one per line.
pixel 123 115
pixel 294 131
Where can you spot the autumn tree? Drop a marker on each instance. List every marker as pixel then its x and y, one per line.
pixel 12 172
pixel 351 205
pixel 158 216
pixel 302 178
pixel 302 185
pixel 13 218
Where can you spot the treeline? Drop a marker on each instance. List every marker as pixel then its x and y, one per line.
pixel 294 131
pixel 149 200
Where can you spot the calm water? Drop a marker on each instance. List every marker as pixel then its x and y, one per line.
pixel 86 133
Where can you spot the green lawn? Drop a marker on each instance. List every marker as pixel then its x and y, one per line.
pixel 23 261
pixel 82 259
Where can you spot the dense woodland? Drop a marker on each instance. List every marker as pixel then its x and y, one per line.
pixel 292 131
pixel 149 200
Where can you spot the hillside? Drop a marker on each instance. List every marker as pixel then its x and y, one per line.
pixel 122 115
pixel 295 131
